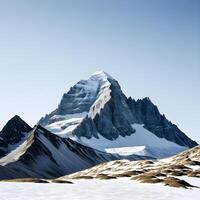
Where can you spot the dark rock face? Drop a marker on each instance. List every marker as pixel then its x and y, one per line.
pixel 12 133
pixel 114 119
pixel 119 113
pixel 147 113
pixel 3 147
pixel 6 173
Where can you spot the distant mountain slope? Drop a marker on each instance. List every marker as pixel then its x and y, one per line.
pixel 95 112
pixel 12 134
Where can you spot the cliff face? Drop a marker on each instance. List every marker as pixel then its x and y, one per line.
pixel 147 113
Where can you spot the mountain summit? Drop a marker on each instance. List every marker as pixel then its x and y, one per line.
pixel 85 101
pixel 95 112
pixel 12 134
pixel 83 95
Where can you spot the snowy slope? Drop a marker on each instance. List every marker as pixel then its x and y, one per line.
pixel 97 189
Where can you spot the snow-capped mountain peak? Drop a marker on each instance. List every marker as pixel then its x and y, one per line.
pixel 101 75
pixel 83 95
pixel 85 98
pixel 97 113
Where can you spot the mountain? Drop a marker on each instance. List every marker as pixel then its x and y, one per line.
pixel 46 155
pixel 13 134
pixel 95 112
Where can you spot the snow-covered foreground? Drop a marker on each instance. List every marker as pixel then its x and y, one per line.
pixel 118 189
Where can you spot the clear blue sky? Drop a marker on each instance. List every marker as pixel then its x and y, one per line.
pixel 151 46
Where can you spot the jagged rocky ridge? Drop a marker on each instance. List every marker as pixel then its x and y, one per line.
pixel 45 155
pixel 147 113
pixel 97 108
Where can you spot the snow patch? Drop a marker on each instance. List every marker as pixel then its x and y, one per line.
pixel 64 127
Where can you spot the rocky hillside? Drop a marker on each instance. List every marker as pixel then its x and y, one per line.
pixel 164 171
